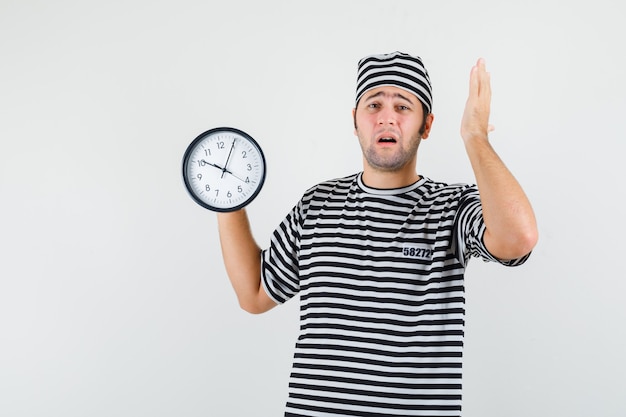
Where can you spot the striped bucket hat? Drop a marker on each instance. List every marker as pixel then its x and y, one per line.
pixel 396 69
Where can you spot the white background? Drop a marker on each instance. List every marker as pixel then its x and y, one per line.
pixel 113 296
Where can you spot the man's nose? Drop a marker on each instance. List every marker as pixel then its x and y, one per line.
pixel 386 117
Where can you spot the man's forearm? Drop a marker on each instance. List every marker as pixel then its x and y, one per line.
pixel 242 259
pixel 507 212
pixel 511 228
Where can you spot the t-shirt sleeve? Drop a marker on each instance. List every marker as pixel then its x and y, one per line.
pixel 279 262
pixel 470 231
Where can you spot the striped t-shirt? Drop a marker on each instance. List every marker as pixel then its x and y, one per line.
pixel 380 278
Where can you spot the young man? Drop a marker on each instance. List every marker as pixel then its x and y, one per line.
pixel 378 257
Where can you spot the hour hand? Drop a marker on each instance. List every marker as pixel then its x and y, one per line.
pixel 212 164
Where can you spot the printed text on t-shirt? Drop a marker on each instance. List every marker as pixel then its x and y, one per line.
pixel 417 252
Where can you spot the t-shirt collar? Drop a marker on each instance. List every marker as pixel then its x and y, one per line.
pixel 388 191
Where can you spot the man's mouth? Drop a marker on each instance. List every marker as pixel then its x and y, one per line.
pixel 386 140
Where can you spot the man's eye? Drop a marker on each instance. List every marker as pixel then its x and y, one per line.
pixel 403 108
pixel 373 105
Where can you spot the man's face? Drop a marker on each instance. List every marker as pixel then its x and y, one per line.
pixel 388 122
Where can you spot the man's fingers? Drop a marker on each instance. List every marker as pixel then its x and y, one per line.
pixel 483 78
pixel 474 82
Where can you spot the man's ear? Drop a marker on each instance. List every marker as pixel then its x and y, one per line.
pixel 430 118
pixel 354 119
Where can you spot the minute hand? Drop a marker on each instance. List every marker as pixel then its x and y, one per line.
pixel 224 170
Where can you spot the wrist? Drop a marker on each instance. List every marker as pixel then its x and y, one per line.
pixel 475 139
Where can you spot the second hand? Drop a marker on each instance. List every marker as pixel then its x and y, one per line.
pixel 224 170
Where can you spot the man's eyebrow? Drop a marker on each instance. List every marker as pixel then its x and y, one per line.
pixel 383 93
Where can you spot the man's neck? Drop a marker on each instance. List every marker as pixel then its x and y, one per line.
pixel 389 179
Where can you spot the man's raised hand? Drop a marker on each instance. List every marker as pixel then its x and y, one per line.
pixel 475 122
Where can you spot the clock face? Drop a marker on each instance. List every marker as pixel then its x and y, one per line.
pixel 223 169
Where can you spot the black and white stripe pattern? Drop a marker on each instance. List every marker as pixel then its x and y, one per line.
pixel 380 277
pixel 396 69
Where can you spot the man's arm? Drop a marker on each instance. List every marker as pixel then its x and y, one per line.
pixel 242 259
pixel 511 228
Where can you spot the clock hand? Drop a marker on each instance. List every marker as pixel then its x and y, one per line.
pixel 212 164
pixel 224 170
pixel 228 159
pixel 231 173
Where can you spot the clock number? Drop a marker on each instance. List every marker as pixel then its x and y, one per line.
pixel 207 152
pixel 229 194
pixel 239 189
pixel 217 192
pixel 243 154
pixel 220 145
pixel 208 188
pixel 199 176
pixel 247 180
pixel 249 167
